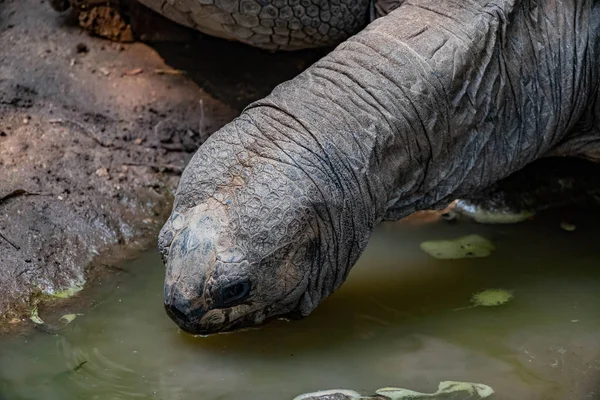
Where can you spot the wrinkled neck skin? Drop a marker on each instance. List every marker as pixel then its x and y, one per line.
pixel 435 100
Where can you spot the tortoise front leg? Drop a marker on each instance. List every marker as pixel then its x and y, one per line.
pixel 544 184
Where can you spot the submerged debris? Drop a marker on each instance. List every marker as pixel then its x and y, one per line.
pixel 335 394
pixel 68 318
pixel 61 294
pixel 78 366
pixel 446 390
pixel 464 247
pixel 35 317
pixel 473 390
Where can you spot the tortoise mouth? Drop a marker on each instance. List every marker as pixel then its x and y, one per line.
pixel 185 320
pixel 201 324
pixel 204 331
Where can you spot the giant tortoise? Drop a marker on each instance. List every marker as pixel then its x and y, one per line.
pixel 432 101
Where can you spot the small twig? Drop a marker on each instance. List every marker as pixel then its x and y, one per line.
pixel 78 366
pixel 116 268
pixel 161 71
pixel 175 147
pixel 83 129
pixel 133 72
pixel 166 167
pixel 21 192
pixel 201 126
pixel 9 242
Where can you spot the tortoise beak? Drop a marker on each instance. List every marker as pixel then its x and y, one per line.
pixel 187 319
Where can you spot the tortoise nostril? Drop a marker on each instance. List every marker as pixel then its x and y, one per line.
pixel 173 311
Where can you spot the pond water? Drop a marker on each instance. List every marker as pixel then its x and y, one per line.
pixel 400 320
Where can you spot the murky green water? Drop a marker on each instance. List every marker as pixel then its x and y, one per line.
pixel 395 322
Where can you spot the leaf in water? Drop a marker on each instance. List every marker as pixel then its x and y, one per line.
pixel 491 297
pixel 34 316
pixel 464 247
pixel 336 394
pixel 68 318
pixel 446 390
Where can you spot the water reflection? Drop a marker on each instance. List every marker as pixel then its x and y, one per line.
pixel 392 324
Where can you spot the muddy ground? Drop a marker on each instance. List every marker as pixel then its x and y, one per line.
pixel 94 135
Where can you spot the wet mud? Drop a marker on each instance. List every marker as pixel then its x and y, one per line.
pixel 94 135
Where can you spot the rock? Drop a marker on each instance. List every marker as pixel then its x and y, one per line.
pixel 102 172
pixel 63 211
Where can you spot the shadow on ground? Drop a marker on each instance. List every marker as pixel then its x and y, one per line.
pixel 233 72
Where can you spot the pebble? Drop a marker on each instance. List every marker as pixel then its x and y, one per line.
pixel 102 172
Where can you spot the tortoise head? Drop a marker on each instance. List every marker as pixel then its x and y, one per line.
pixel 240 258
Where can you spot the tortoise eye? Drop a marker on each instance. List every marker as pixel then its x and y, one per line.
pixel 234 293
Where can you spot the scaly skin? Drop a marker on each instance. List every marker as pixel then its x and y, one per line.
pixel 270 24
pixel 430 103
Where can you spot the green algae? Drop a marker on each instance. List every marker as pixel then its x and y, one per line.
pixel 68 292
pixel 48 296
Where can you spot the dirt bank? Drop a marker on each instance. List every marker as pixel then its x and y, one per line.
pixel 93 137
